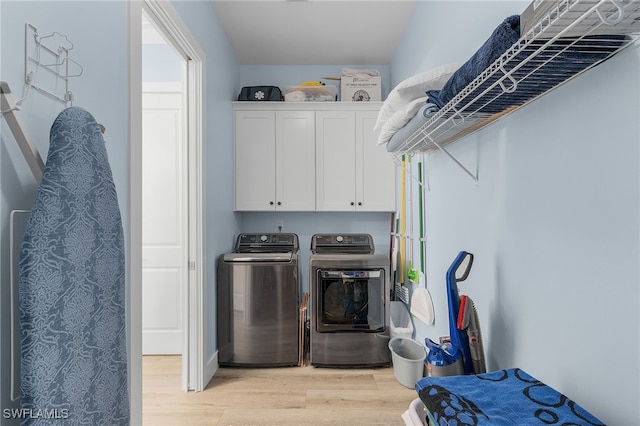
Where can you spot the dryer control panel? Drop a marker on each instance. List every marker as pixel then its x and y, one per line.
pixel 342 243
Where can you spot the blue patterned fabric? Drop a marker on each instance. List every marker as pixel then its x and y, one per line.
pixel 72 286
pixel 505 397
pixel 543 69
pixel 501 39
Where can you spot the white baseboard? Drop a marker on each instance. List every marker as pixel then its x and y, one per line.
pixel 211 368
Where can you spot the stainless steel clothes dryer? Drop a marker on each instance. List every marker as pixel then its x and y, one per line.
pixel 349 307
pixel 258 298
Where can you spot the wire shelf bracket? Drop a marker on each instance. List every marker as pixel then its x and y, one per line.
pixel 457 162
pixel 474 177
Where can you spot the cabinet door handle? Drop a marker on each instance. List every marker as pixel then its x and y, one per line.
pixel 270 203
pixel 353 204
pixel 359 203
pixel 279 203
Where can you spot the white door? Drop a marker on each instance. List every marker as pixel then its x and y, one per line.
pixel 336 158
pixel 375 171
pixel 255 160
pixel 164 250
pixel 295 161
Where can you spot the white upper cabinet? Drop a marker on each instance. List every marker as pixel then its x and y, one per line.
pixel 274 160
pixel 310 156
pixel 295 160
pixel 352 173
pixel 336 160
pixel 255 160
pixel 375 172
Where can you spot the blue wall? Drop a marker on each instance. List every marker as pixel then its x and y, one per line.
pixel 159 64
pixel 553 222
pixel 305 225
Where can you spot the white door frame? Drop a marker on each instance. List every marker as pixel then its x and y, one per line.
pixel 173 29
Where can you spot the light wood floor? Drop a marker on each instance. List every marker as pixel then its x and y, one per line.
pixel 273 396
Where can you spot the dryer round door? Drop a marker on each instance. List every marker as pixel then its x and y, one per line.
pixel 350 300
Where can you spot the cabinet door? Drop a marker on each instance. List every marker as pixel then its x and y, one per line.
pixel 295 161
pixel 375 171
pixel 255 160
pixel 335 160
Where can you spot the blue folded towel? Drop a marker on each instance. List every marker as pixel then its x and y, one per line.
pixel 550 67
pixel 505 397
pixel 502 38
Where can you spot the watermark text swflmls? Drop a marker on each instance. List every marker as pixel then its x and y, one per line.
pixel 29 413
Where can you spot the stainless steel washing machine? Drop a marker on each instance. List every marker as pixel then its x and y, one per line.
pixel 349 307
pixel 258 301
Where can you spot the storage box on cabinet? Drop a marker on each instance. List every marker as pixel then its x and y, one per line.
pixel 274 160
pixel 361 89
pixel 310 93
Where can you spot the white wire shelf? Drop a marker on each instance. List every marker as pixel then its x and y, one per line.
pixel 573 37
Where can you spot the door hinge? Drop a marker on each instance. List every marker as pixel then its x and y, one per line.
pixel 192 265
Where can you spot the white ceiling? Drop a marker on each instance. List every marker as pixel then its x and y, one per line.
pixel 314 32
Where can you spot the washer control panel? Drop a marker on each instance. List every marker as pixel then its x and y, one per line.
pixel 267 243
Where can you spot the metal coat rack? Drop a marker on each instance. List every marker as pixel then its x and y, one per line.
pixel 49 57
pixel 47 66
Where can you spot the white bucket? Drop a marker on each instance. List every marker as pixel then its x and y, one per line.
pixel 400 320
pixel 408 358
pixel 416 414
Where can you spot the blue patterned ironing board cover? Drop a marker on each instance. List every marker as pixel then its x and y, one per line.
pixel 72 286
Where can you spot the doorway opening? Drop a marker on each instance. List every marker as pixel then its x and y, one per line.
pixel 167 236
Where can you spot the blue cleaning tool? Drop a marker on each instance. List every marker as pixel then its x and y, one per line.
pixel 441 355
pixel 443 359
pixel 459 271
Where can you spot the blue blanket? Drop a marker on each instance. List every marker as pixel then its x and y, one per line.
pixel 536 68
pixel 556 63
pixel 505 397
pixel 502 38
pixel 72 286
